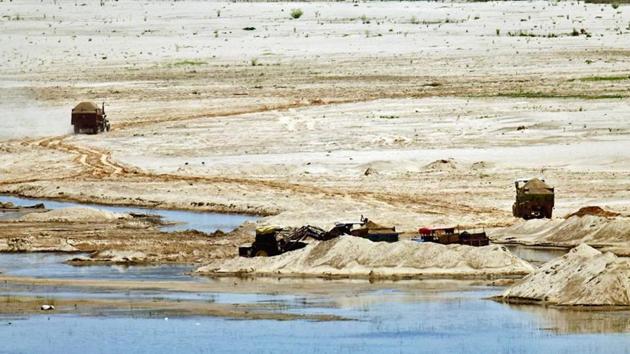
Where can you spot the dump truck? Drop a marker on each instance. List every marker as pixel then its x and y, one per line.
pixel 534 199
pixel 88 118
pixel 450 235
pixel 365 229
pixel 274 240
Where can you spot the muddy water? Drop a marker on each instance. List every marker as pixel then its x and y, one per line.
pixel 201 221
pixel 382 320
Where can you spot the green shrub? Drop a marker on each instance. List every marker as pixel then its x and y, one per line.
pixel 297 13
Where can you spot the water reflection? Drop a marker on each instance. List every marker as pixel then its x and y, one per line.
pixel 580 320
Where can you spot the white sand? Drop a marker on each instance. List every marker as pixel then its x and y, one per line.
pixel 74 214
pixel 584 276
pixel 589 229
pixel 357 257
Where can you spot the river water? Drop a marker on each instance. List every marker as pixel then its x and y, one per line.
pixel 405 317
pixel 380 321
pixel 200 221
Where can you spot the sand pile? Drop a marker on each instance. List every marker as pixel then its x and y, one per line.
pixel 590 229
pixel 356 257
pixel 584 276
pixel 74 214
pixel 595 211
pixel 442 165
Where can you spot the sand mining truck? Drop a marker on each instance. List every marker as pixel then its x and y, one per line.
pixel 89 118
pixel 451 235
pixel 365 229
pixel 534 199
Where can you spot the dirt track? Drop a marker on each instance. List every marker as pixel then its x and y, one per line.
pixel 281 122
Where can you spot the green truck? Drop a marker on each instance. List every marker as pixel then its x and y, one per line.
pixel 534 199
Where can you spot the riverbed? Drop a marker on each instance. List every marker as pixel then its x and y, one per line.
pixel 177 220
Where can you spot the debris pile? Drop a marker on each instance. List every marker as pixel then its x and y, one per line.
pixel 584 276
pixel 595 211
pixel 348 256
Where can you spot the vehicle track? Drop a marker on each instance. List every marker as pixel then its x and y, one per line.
pixel 98 164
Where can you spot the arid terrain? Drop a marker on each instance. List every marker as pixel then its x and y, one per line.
pixel 410 113
pixel 443 104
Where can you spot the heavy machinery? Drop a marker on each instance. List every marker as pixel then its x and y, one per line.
pixel 89 118
pixel 274 240
pixel 449 235
pixel 534 199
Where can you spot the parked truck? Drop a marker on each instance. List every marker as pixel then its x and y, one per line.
pixel 88 118
pixel 450 235
pixel 534 199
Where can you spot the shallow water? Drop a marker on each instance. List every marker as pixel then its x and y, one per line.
pixel 382 321
pixel 536 255
pixel 201 221
pixel 50 265
pixel 409 316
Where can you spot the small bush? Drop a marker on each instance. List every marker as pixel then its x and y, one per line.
pixel 297 13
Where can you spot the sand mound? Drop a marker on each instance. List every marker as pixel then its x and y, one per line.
pixel 480 165
pixel 595 211
pixel 442 165
pixel 112 256
pixel 356 257
pixel 74 214
pixel 584 276
pixel 593 230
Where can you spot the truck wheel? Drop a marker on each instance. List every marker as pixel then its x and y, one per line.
pixel 548 213
pixel 261 253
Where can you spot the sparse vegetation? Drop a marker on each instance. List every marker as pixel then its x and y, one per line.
pixel 296 13
pixel 189 63
pixel 574 33
pixel 529 94
pixel 606 78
